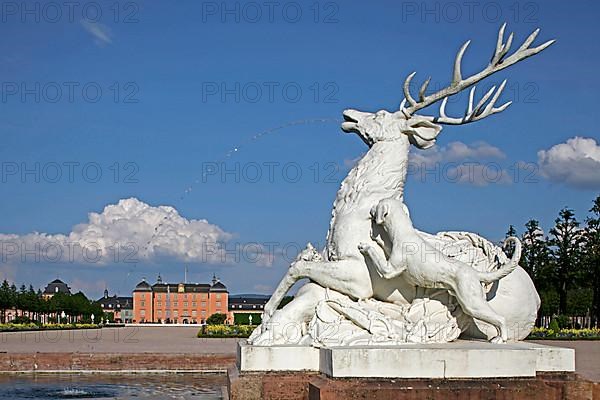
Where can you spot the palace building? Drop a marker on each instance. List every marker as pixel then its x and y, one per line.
pixel 242 307
pixel 184 303
pixel 56 286
pixel 120 307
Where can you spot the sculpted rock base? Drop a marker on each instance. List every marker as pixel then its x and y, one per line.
pixel 343 322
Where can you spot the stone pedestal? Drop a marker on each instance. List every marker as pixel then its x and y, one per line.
pixel 277 358
pixel 460 359
pixel 466 368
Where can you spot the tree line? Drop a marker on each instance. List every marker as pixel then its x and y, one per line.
pixel 565 263
pixel 31 306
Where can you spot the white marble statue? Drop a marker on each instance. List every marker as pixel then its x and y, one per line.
pixel 343 271
pixel 424 266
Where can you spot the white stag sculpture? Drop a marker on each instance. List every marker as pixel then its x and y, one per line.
pixel 342 271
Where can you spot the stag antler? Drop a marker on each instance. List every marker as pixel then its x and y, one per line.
pixel 497 63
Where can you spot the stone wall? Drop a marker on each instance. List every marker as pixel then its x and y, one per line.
pixel 314 386
pixel 22 362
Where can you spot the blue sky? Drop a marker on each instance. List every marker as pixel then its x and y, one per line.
pixel 151 94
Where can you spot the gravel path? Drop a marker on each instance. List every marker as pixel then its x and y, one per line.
pixel 131 339
pixel 587 356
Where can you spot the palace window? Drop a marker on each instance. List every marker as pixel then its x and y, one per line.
pixel 142 304
pixel 159 303
pixel 175 304
pixel 176 313
pixel 185 304
pixel 218 304
pixel 194 304
pixel 194 313
pixel 143 313
pixel 203 304
pixel 160 313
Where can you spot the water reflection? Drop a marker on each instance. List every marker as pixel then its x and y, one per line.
pixel 135 386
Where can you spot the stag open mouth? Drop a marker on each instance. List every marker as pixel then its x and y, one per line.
pixel 349 124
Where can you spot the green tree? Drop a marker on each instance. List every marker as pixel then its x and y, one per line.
pixel 592 257
pixel 244 318
pixel 579 301
pixel 216 319
pixel 110 316
pixel 22 300
pixel 6 301
pixel 13 295
pixel 565 244
pixel 34 304
pixel 80 306
pixel 535 258
pixel 96 309
pixel 59 303
pixel 549 298
pixel 42 305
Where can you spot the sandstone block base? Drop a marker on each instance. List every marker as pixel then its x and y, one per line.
pixel 314 386
pixel 463 369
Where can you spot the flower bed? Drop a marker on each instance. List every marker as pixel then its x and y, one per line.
pixel 226 331
pixel 42 327
pixel 564 334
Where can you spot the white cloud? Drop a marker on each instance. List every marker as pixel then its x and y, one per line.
pixel 575 163
pixel 263 288
pixel 87 286
pixel 457 151
pixel 100 32
pixel 132 231
pixel 478 174
pixel 458 162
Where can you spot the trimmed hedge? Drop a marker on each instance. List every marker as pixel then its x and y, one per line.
pixel 226 331
pixel 564 334
pixel 243 331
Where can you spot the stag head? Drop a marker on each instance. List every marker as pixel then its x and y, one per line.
pixel 422 130
pixel 386 126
